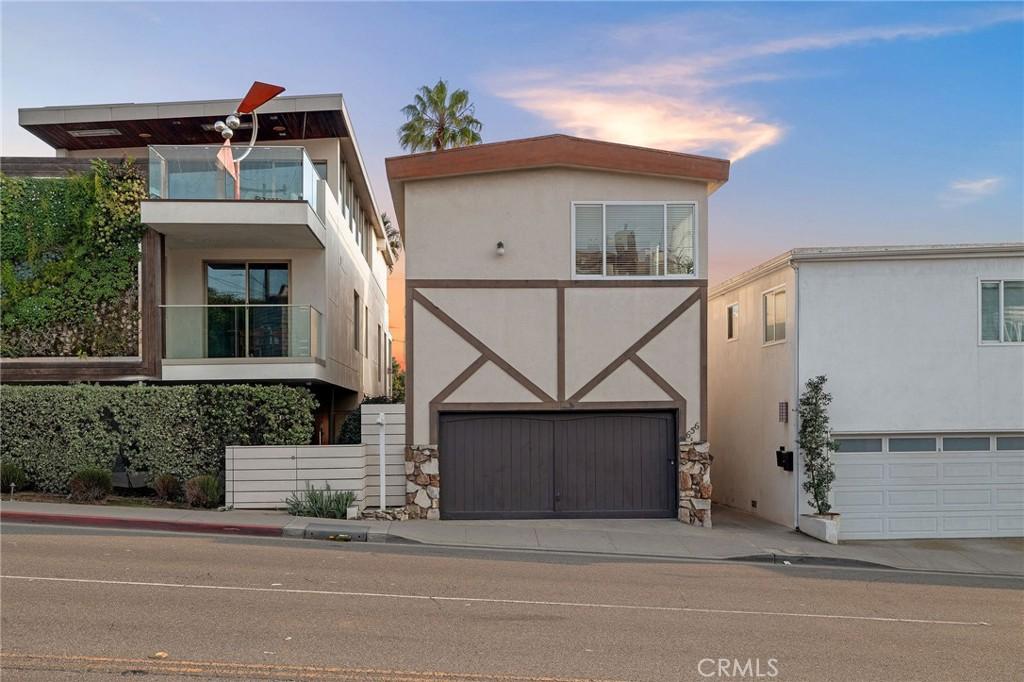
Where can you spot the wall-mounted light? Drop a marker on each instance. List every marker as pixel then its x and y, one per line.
pixel 501 248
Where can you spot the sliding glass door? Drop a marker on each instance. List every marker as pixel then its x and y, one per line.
pixel 247 313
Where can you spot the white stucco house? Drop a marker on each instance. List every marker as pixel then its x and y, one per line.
pixel 923 347
pixel 555 310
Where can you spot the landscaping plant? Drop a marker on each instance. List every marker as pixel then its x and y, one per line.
pixel 53 431
pixel 326 503
pixel 69 254
pixel 167 487
pixel 352 429
pixel 91 484
pixel 12 474
pixel 203 491
pixel 815 441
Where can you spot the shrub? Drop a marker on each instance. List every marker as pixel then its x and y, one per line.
pixel 91 485
pixel 203 491
pixel 53 431
pixel 12 474
pixel 326 503
pixel 815 439
pixel 167 487
pixel 351 428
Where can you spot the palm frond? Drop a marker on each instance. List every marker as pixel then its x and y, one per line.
pixel 439 119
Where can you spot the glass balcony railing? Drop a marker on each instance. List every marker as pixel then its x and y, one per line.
pixel 194 332
pixel 213 172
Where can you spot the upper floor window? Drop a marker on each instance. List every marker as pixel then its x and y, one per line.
pixel 357 321
pixel 1002 311
pixel 350 201
pixel 732 319
pixel 635 239
pixel 321 169
pixel 773 310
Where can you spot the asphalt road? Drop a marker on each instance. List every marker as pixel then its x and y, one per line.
pixel 98 605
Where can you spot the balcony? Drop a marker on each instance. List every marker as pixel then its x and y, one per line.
pixel 203 196
pixel 242 342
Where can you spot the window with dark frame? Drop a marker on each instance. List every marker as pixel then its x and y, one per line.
pixel 732 314
pixel 380 354
pixel 357 314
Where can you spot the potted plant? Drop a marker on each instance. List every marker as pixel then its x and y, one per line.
pixel 815 441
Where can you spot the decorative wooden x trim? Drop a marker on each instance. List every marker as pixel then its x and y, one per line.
pixel 630 353
pixel 485 350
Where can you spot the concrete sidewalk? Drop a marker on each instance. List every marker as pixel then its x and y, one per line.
pixel 735 536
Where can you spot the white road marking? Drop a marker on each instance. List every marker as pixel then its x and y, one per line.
pixel 486 600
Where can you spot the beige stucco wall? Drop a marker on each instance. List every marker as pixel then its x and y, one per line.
pixel 746 382
pixel 452 227
pixel 453 224
pixel 325 278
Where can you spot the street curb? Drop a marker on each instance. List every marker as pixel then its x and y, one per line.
pixel 140 524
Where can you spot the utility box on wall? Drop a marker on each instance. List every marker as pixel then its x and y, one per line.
pixel 784 459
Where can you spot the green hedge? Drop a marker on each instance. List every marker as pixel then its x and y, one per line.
pixel 53 431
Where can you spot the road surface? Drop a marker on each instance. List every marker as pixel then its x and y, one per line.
pixel 79 603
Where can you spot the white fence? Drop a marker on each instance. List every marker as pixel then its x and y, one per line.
pixel 394 453
pixel 264 476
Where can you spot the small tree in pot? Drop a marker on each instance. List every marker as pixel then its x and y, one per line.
pixel 816 443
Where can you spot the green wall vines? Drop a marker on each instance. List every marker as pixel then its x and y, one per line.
pixel 69 254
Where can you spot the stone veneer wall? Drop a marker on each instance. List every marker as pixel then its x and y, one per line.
pixel 422 482
pixel 695 484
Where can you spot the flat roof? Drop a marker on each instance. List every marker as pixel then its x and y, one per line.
pixel 861 253
pixel 297 117
pixel 131 124
pixel 550 151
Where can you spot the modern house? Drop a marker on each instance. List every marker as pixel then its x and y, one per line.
pixel 555 312
pixel 260 266
pixel 923 348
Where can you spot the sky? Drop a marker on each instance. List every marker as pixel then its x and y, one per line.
pixel 847 124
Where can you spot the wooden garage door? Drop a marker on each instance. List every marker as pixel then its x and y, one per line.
pixel 559 464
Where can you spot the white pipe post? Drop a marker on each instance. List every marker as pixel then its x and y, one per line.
pixel 382 423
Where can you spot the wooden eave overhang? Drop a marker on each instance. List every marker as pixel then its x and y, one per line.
pixel 550 151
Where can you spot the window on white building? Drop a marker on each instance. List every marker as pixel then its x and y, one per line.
pixel 654 239
pixel 357 322
pixel 1002 311
pixel 732 319
pixel 773 311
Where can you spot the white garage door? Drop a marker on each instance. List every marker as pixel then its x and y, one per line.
pixel 930 487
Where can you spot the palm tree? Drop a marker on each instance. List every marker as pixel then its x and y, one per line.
pixel 437 120
pixel 393 236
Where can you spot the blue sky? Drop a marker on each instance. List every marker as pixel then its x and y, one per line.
pixel 848 123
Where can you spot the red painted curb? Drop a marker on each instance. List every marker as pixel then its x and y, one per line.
pixel 139 524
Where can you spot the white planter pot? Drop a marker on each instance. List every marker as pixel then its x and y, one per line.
pixel 823 527
pixel 352 513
